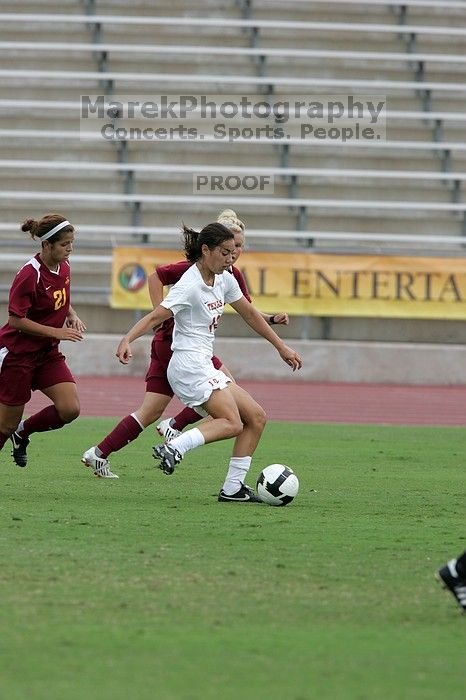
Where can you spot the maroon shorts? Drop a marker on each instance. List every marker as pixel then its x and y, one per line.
pixel 21 374
pixel 156 376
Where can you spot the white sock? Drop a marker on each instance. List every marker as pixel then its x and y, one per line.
pixel 188 441
pixel 20 427
pixel 236 474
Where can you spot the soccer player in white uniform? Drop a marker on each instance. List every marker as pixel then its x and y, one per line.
pixel 197 302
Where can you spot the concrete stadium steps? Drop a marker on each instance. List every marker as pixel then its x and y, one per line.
pixel 364 158
pixel 208 153
pixel 458 163
pixel 42 91
pixel 29 30
pixel 200 35
pixel 246 154
pixel 72 7
pixel 170 8
pixel 344 41
pixel 441 44
pixel 35 88
pixel 57 150
pixel 346 68
pixel 408 131
pixel 344 188
pixel 322 12
pixel 169 63
pixel 135 7
pixel 65 181
pixel 364 13
pixel 318 219
pixel 256 216
pixel 69 60
pixel 69 120
pixel 454 133
pixel 371 190
pixel 116 214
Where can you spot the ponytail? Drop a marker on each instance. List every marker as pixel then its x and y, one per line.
pixel 211 235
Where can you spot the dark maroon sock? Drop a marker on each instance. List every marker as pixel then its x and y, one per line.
pixel 186 417
pixel 47 419
pixel 126 431
pixel 3 439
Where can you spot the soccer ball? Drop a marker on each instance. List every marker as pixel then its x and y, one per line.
pixel 277 485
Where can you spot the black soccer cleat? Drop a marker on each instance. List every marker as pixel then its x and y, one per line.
pixel 244 495
pixel 19 451
pixel 169 457
pixel 452 582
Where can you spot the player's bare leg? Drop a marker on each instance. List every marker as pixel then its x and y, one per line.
pixel 10 416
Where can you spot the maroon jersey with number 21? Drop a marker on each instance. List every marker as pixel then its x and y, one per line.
pixel 42 296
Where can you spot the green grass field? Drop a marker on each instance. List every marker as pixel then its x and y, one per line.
pixel 147 587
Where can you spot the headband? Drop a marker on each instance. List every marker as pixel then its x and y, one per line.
pixel 54 230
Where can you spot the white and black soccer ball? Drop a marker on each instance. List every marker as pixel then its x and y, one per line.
pixel 277 485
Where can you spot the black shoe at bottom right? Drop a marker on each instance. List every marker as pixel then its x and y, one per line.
pixel 450 580
pixel 244 495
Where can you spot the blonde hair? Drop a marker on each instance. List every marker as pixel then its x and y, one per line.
pixel 229 219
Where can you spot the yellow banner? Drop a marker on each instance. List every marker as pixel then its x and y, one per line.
pixel 319 285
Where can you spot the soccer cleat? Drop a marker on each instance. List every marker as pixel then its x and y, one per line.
pixel 450 580
pixel 99 465
pixel 19 451
pixel 166 431
pixel 244 495
pixel 169 457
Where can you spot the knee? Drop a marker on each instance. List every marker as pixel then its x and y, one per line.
pixel 146 417
pixel 69 413
pixel 259 418
pixel 7 428
pixel 235 427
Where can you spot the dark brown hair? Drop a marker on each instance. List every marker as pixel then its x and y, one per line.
pixel 211 235
pixel 37 229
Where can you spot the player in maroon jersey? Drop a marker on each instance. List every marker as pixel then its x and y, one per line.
pixel 158 390
pixel 40 316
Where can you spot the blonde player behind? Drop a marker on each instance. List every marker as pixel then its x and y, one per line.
pixel 197 303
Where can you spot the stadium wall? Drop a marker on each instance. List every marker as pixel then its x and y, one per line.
pixel 323 361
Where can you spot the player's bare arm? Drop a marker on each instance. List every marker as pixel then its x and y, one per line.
pixel 73 321
pixel 25 325
pixel 146 323
pixel 255 319
pixel 279 319
pixel 155 287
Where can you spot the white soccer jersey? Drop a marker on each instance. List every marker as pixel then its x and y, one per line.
pixel 197 309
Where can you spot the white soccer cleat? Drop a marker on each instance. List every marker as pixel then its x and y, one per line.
pixel 99 465
pixel 166 431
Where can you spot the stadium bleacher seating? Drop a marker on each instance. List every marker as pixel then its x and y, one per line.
pixel 404 194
